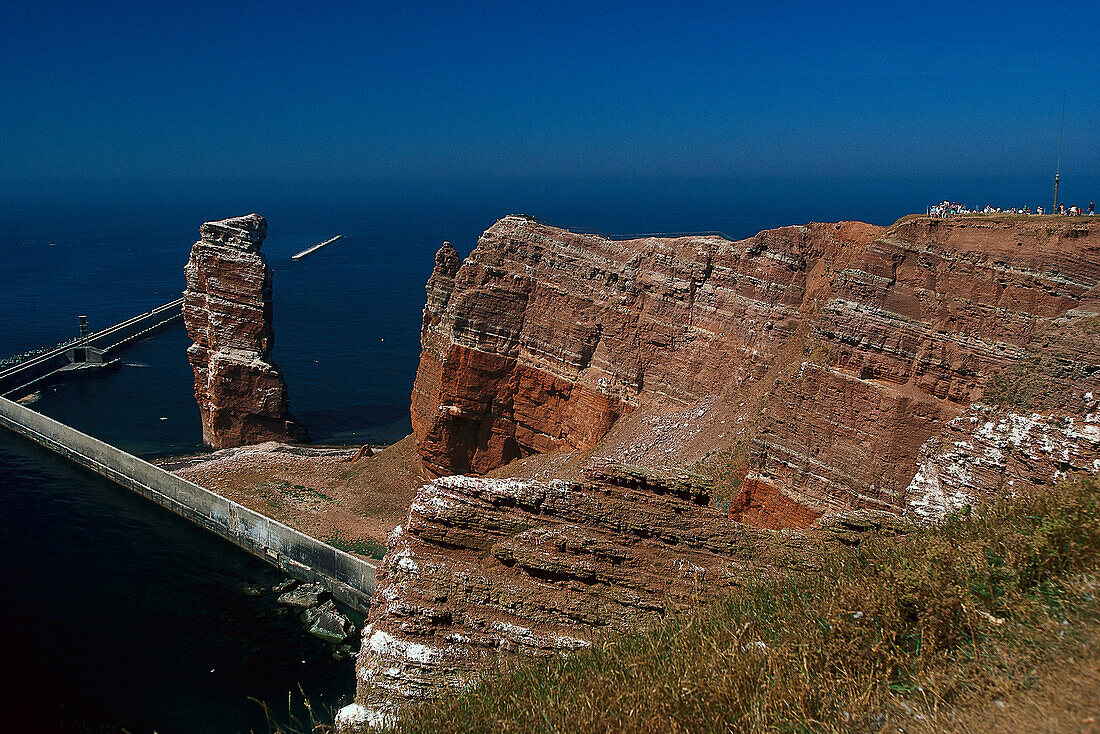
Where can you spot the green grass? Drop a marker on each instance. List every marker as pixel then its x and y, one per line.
pixel 963 612
pixel 362 546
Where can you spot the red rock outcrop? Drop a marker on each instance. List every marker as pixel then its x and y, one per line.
pixel 490 567
pixel 832 351
pixel 227 310
pixel 543 338
pixel 823 378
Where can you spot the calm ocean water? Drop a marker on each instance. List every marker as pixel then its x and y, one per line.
pixel 116 614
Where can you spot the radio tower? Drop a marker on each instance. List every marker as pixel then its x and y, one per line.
pixel 1058 170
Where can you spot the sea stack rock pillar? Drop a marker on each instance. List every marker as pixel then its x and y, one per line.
pixel 227 311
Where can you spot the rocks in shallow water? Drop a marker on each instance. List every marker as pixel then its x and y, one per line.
pixel 320 616
pixel 342 652
pixel 251 590
pixel 328 623
pixel 328 628
pixel 309 616
pixel 284 586
pixel 304 597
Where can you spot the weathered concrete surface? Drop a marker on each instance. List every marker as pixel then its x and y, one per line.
pixel 348 578
pixel 228 312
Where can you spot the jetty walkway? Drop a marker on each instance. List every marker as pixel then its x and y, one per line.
pixel 94 351
pixel 348 578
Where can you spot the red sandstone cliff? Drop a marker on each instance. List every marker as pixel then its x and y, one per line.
pixel 227 311
pixel 832 352
pixel 822 378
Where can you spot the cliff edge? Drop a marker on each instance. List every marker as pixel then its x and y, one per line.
pixel 663 416
pixel 818 360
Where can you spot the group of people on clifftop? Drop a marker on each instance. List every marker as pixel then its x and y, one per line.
pixel 946 209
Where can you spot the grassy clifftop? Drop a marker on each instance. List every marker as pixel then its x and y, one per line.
pixel 929 631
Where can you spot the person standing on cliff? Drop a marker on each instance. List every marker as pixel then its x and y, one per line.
pixel 1092 209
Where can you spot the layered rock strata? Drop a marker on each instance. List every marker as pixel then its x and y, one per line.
pixel 227 310
pixel 485 568
pixel 830 353
pixel 714 409
pixel 983 454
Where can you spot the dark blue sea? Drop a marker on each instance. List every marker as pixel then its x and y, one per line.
pixel 118 616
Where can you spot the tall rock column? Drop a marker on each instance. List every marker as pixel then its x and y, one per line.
pixel 227 311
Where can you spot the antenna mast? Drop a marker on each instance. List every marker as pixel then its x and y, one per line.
pixel 1058 170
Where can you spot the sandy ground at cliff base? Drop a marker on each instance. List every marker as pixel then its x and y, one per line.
pixel 318 490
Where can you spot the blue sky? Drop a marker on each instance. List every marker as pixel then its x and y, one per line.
pixel 300 91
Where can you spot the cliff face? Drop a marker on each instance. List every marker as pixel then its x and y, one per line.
pixel 503 567
pixel 544 338
pixel 832 352
pixel 227 311
pixel 813 380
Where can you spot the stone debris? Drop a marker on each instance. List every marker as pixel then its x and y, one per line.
pixel 328 623
pixel 320 615
pixel 284 585
pixel 305 596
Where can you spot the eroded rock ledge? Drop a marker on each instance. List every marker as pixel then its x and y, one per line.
pixel 485 568
pixel 227 310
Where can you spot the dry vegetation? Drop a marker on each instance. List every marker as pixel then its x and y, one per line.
pixel 351 505
pixel 933 631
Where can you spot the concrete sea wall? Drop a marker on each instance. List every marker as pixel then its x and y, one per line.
pixel 34 373
pixel 350 579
